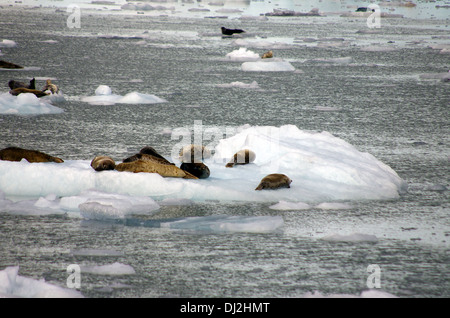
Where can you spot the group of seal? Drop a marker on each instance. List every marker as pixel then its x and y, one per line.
pixel 18 88
pixel 149 160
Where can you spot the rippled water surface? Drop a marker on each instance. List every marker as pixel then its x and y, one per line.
pixel 376 100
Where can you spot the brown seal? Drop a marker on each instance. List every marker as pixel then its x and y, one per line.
pixel 194 154
pixel 4 64
pixel 163 170
pixel 274 181
pixel 149 154
pixel 15 84
pixel 51 87
pixel 20 90
pixel 17 154
pixel 241 157
pixel 198 169
pixel 267 55
pixel 101 163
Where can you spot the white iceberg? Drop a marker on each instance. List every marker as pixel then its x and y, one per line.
pixel 27 104
pixel 242 54
pixel 272 65
pixel 323 168
pixel 14 285
pixel 104 96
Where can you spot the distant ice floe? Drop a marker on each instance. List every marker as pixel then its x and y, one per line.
pixel 104 96
pixel 372 293
pixel 353 237
pixel 444 76
pixel 335 60
pixel 114 269
pixel 29 104
pixel 242 54
pixel 14 285
pixel 8 43
pixel 237 84
pixel 268 65
pixel 293 206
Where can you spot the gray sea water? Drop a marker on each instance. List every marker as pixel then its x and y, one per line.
pixel 378 102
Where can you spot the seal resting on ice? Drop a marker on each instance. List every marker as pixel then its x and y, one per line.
pixel 101 163
pixel 274 181
pixel 198 169
pixel 267 55
pixel 17 154
pixel 21 90
pixel 164 170
pixel 51 87
pixel 15 84
pixel 149 154
pixel 226 31
pixel 241 157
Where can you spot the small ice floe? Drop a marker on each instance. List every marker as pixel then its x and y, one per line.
pixel 335 60
pixel 27 104
pixel 269 65
pixel 372 293
pixel 96 252
pixel 353 237
pixel 242 54
pixel 227 224
pixel 114 269
pixel 285 205
pixel 252 85
pixel 104 96
pixel 437 188
pixel 333 206
pixel 8 43
pixel 14 285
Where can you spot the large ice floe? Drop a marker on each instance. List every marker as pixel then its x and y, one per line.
pixel 14 285
pixel 323 168
pixel 104 96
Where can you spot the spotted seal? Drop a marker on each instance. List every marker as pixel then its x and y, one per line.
pixel 101 163
pixel 241 157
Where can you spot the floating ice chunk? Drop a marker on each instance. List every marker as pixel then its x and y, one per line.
pixel 8 43
pixel 354 237
pixel 104 96
pixel 336 60
pixel 365 294
pixel 96 252
pixel 242 55
pixel 252 85
pixel 268 66
pixel 333 206
pixel 14 285
pixel 111 269
pixel 284 205
pixel 26 104
pixel 223 223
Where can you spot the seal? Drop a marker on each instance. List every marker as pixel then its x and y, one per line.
pixel 274 181
pixel 17 154
pixel 241 157
pixel 20 90
pixel 149 154
pixel 163 170
pixel 226 31
pixel 267 55
pixel 51 87
pixel 15 84
pixel 194 153
pixel 4 64
pixel 101 163
pixel 198 169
